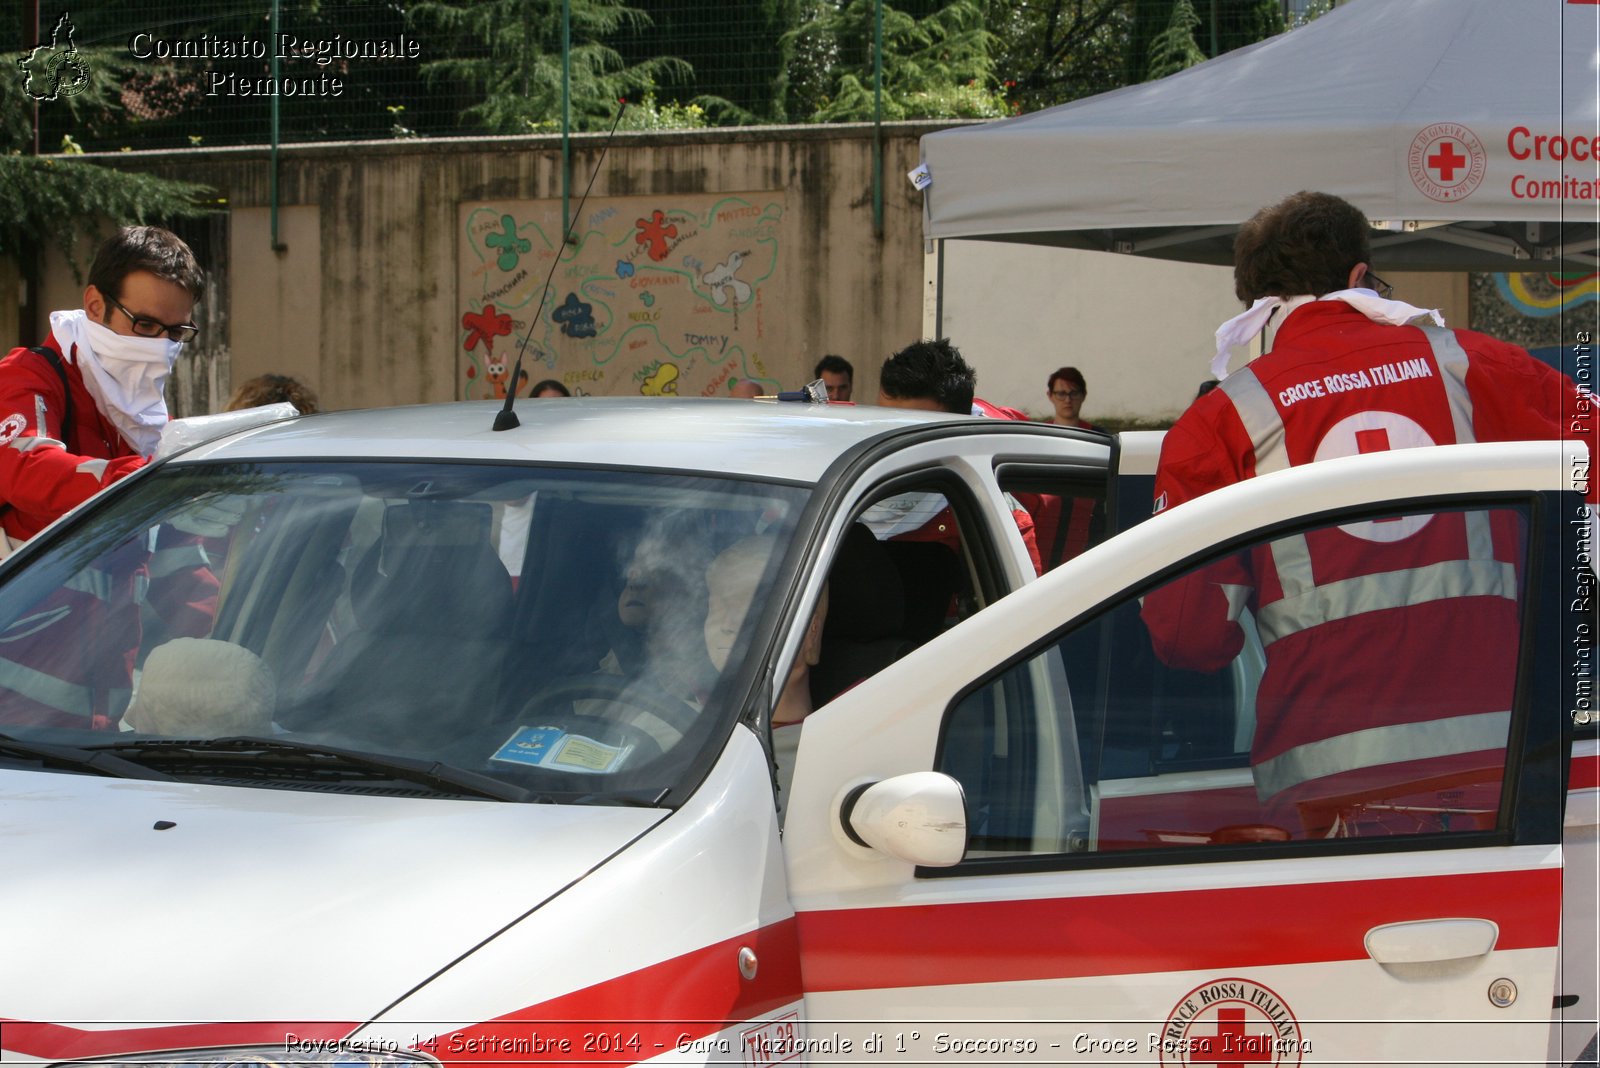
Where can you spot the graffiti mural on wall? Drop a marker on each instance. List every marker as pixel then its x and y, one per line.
pixel 1548 293
pixel 654 296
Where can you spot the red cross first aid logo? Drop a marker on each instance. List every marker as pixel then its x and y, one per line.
pixel 1446 162
pixel 1232 1023
pixel 14 424
pixel 1376 431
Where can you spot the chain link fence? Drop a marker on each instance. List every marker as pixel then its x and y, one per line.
pixel 213 73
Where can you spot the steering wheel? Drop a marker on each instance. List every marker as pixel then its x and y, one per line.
pixel 621 693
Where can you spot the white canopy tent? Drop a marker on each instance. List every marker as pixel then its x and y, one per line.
pixel 1467 130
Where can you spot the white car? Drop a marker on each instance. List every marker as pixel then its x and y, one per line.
pixel 382 738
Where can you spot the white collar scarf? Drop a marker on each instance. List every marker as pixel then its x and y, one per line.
pixel 1242 328
pixel 126 376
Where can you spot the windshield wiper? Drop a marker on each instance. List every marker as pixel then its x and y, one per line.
pixel 66 756
pixel 267 757
pixel 648 798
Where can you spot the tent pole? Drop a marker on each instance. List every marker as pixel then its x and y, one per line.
pixel 566 122
pixel 877 118
pixel 938 288
pixel 277 244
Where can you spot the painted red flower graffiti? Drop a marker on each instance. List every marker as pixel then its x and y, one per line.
pixel 485 326
pixel 654 233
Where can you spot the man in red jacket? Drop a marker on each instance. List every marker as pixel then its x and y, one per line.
pixel 77 413
pixel 1439 593
pixel 86 408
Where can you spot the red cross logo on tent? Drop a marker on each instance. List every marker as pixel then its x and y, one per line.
pixel 1446 161
pixel 1232 1023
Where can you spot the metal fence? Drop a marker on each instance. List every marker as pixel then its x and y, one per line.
pixel 224 72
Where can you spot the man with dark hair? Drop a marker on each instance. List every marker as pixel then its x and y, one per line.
pixel 1348 374
pixel 1307 243
pixel 87 407
pixel 932 376
pixel 837 374
pixel 928 375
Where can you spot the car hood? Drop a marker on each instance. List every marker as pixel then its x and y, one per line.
pixel 258 904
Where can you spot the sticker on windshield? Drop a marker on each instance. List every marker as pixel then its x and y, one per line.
pixel 552 747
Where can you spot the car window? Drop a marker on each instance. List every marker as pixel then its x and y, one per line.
pixel 1254 700
pixel 1061 512
pixel 548 628
pixel 904 572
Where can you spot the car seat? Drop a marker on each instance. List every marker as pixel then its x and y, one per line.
pixel 864 631
pixel 432 604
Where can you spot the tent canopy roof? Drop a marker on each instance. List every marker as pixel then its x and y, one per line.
pixel 1465 129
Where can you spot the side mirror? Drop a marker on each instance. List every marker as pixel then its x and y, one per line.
pixel 920 817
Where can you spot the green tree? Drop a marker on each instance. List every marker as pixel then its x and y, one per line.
pixel 1219 26
pixel 508 54
pixel 1175 49
pixel 58 200
pixel 735 50
pixel 934 66
pixel 1050 52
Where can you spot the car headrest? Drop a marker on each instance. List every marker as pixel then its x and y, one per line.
pixel 434 570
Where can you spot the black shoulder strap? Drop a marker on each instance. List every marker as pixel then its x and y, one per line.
pixel 54 359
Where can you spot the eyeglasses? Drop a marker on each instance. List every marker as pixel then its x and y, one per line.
pixel 1063 394
pixel 1384 289
pixel 144 326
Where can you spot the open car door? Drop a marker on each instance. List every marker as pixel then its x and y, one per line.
pixel 1129 883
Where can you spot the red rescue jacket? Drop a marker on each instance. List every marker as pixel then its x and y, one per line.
pixel 1442 591
pixel 46 468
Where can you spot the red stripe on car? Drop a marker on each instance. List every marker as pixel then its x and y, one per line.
pixel 644 1013
pixel 59 1041
pixel 1125 934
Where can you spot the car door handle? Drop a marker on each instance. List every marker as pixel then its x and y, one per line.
pixel 1424 941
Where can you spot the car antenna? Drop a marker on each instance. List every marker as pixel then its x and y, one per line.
pixel 505 418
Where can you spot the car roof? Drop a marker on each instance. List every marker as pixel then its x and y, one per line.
pixel 758 439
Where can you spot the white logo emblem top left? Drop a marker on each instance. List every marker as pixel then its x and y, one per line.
pixel 54 70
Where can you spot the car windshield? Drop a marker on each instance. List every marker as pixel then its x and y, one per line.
pixel 548 631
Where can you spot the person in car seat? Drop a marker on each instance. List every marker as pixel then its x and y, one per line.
pixel 662 608
pixel 732 582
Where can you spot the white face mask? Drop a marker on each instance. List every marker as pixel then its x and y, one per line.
pixel 126 375
pixel 140 365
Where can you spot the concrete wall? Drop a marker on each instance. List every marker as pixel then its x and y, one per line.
pixel 1140 330
pixel 382 250
pixel 362 299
